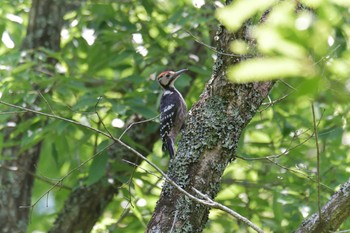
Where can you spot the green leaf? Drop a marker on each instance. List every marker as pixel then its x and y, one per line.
pixel 145 111
pixel 98 165
pixel 119 108
pixel 55 153
pixel 272 41
pixel 1 142
pixel 23 67
pixel 277 207
pixel 85 102
pixel 234 15
pixel 262 69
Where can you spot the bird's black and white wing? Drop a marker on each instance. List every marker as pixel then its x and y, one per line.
pixel 168 112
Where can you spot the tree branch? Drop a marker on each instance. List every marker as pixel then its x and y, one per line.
pixel 318 161
pixel 334 213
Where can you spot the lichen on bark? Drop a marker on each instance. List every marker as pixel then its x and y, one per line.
pixel 208 144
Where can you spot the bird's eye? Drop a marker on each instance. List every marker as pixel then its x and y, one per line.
pixel 167 75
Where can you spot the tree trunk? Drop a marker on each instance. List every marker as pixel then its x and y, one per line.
pixel 45 24
pixel 44 29
pixel 208 142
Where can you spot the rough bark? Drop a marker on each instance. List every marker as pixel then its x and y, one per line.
pixel 44 29
pixel 333 214
pixel 16 188
pixel 208 143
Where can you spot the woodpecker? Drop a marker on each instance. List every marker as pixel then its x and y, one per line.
pixel 173 110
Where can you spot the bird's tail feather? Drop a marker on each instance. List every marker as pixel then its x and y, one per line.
pixel 168 144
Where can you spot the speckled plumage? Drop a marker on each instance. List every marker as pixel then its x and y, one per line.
pixel 173 110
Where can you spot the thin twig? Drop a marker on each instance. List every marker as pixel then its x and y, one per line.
pixel 273 102
pixel 96 138
pixel 288 85
pixel 343 231
pixel 123 215
pixel 281 154
pixel 47 102
pixel 300 173
pixel 145 170
pixel 12 112
pixel 270 103
pixel 214 48
pixel 174 221
pixel 135 123
pixel 131 125
pixel 41 174
pixel 98 115
pixel 42 178
pixel 328 56
pixel 318 162
pixel 269 158
pixel 236 215
pixel 127 208
pixel 129 200
pixel 129 187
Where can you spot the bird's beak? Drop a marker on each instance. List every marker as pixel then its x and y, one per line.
pixel 180 72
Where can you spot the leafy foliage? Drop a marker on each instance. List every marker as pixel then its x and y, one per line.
pixel 115 49
pixel 295 40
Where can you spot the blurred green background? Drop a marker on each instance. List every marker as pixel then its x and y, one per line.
pixel 115 49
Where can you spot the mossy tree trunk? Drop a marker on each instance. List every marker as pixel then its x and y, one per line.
pixel 208 142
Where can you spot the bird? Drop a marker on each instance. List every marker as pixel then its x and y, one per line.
pixel 173 110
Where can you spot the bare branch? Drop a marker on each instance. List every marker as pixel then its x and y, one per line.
pixel 100 119
pixel 271 103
